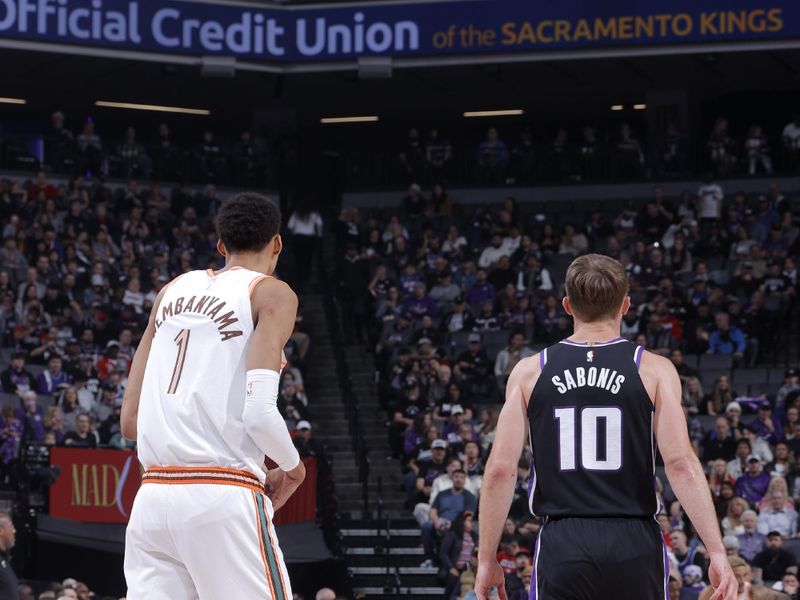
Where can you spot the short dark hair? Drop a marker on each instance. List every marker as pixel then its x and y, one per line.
pixel 247 222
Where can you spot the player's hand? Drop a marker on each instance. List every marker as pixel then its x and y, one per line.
pixel 281 485
pixel 490 575
pixel 722 578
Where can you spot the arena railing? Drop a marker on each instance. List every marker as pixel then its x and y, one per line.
pixel 349 398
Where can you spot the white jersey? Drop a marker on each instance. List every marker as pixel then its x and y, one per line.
pixel 193 394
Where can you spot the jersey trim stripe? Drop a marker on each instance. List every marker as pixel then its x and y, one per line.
pixel 254 284
pixel 666 568
pixel 637 356
pixel 543 358
pixel 536 553
pixel 260 530
pixel 272 559
pixel 569 342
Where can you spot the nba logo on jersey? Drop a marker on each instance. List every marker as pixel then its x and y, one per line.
pixel 590 356
pixel 249 388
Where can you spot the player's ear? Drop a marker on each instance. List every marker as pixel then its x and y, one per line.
pixel 221 248
pixel 626 305
pixel 278 244
pixel 567 307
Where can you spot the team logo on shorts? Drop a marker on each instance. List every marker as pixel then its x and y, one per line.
pixel 590 356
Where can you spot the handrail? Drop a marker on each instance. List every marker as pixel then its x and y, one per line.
pixel 349 398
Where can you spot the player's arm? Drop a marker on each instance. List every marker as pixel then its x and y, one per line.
pixel 274 311
pixel 500 475
pixel 130 400
pixel 684 471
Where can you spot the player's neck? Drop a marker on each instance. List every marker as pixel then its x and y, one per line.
pixel 251 262
pixel 596 331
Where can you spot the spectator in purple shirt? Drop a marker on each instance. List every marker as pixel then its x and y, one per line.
pixel 481 291
pixel 31 417
pixel 754 483
pixel 751 542
pixel 766 426
pixel 16 379
pixel 10 434
pixel 419 303
pixel 54 378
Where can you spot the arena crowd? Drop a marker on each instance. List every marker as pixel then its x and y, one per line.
pixel 451 297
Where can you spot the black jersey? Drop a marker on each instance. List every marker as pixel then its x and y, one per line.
pixel 591 424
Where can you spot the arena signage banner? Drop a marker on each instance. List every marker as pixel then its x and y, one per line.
pixel 95 486
pixel 413 29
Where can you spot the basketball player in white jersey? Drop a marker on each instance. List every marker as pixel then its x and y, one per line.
pixel 201 404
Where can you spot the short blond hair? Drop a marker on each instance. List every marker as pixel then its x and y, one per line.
pixel 596 286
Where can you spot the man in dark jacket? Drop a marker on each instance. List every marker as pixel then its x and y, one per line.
pixel 8 579
pixel 774 560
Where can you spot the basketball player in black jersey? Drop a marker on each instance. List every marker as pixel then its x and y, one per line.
pixel 593 405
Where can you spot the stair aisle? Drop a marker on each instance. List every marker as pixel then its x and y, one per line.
pixel 384 567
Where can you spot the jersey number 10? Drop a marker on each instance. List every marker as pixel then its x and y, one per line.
pixel 593 458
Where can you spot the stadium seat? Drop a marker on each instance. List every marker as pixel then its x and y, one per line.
pixel 9 399
pixel 707 421
pixel 776 376
pixel 458 342
pixel 494 342
pixel 716 361
pixel 761 387
pixel 793 546
pixel 709 376
pixel 691 360
pixel 748 376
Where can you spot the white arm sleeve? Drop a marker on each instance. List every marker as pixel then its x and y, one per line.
pixel 264 423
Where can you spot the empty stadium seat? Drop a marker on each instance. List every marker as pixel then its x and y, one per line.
pixel 691 360
pixel 748 376
pixel 793 546
pixel 709 376
pixel 716 361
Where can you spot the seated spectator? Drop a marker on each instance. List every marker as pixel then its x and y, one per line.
pixel 456 550
pixel 82 437
pixel 10 436
pixel 774 559
pixel 777 517
pixel 719 443
pixel 685 555
pixel 761 447
pixel 16 379
pixel 685 372
pixel 738 466
pixel 720 396
pixel 304 442
pixel 508 358
pixel 419 303
pixel 447 506
pixel 693 583
pixel 658 338
pixel 473 462
pixel 751 542
pixel 429 470
pixel 721 148
pixel 53 379
pixel 481 291
pixel 765 425
pixel 731 524
pixel 790 387
pixel 31 417
pixel 719 475
pixel 726 339
pixel 752 486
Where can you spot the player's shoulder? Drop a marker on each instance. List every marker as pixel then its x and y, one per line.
pixel 655 362
pixel 268 289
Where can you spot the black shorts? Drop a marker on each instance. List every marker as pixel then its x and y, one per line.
pixel 600 559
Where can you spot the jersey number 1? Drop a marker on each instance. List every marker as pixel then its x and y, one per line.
pixel 589 429
pixel 182 339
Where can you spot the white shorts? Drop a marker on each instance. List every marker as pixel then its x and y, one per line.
pixel 203 534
